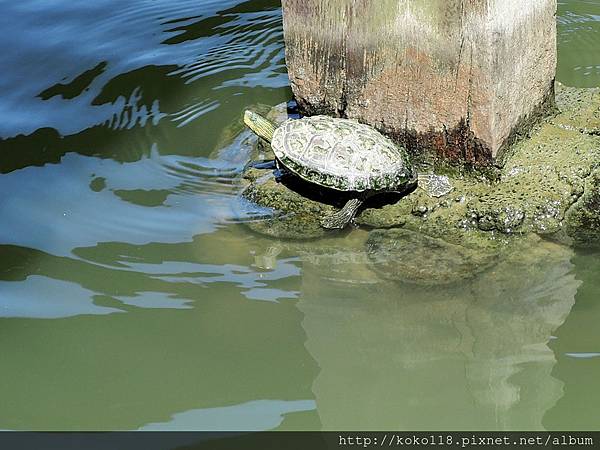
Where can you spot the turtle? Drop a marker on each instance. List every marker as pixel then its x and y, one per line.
pixel 342 155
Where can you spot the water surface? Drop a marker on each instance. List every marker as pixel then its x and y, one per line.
pixel 132 296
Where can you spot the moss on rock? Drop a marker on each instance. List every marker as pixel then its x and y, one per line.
pixel 581 109
pixel 294 217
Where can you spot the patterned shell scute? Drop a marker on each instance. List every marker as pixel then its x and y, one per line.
pixel 341 154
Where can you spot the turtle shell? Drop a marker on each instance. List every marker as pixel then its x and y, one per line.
pixel 342 154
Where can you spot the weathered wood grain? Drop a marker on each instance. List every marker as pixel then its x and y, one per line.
pixel 451 79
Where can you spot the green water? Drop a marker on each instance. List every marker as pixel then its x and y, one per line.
pixel 132 295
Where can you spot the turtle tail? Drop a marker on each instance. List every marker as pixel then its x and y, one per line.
pixel 264 128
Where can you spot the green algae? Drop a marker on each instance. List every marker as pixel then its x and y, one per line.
pixel 583 218
pixel 582 112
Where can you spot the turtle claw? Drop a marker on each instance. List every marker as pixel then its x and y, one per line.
pixel 280 174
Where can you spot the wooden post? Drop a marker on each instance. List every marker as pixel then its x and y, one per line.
pixel 455 80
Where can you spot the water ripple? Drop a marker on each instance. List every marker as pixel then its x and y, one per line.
pixel 207 39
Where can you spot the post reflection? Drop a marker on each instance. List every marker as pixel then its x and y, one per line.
pixel 469 356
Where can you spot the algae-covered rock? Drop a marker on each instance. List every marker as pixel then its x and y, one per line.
pixel 293 216
pixel 582 109
pixel 544 176
pixel 583 218
pixel 540 181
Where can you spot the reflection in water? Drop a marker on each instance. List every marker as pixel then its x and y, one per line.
pixel 471 356
pixel 150 364
pixel 40 297
pixel 258 415
pixel 75 214
pixel 146 54
pixel 389 355
pixel 579 408
pixel 76 86
pixel 583 355
pixel 579 42
pixel 152 275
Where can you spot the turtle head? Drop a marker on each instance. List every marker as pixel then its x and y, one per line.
pixel 263 127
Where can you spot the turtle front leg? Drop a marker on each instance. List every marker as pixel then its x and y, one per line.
pixel 339 219
pixel 269 164
pixel 281 173
pixel 265 164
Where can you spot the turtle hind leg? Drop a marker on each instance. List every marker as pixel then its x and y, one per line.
pixel 341 218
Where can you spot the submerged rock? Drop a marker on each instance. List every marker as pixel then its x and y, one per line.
pixel 412 257
pixel 549 185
